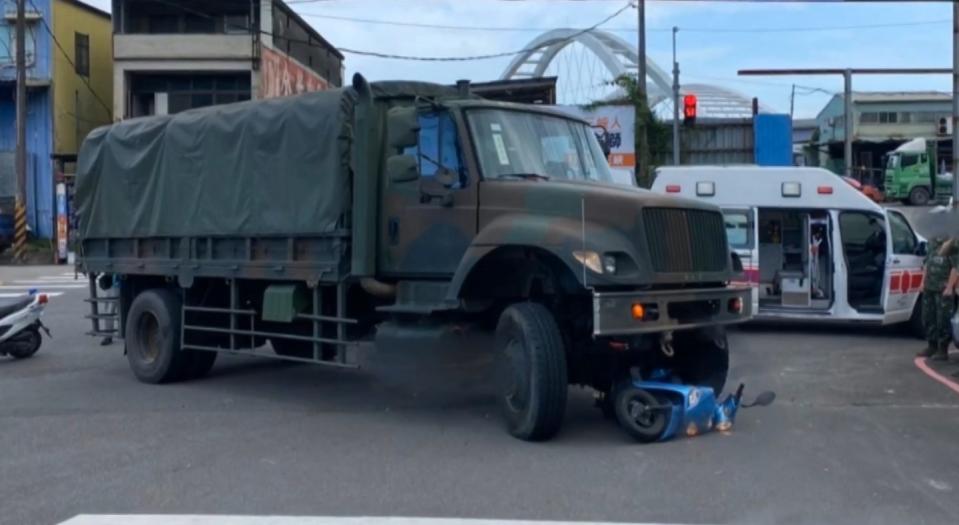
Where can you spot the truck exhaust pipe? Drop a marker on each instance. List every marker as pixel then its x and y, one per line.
pixel 378 288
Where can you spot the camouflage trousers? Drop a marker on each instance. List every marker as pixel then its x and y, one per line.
pixel 937 311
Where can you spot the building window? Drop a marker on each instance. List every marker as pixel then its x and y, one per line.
pixel 172 93
pixel 81 54
pixel 868 117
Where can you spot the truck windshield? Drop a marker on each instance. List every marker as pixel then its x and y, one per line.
pixel 524 144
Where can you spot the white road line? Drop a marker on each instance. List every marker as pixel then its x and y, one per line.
pixel 48 281
pixel 41 286
pixel 13 295
pixel 206 519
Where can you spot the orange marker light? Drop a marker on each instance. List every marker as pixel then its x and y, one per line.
pixel 639 312
pixel 673 188
pixel 824 190
pixel 736 305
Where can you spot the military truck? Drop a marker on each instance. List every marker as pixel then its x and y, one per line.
pixel 316 225
pixel 916 172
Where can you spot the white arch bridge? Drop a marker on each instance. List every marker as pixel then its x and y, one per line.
pixel 586 64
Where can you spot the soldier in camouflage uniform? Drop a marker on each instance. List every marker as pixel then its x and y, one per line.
pixel 938 296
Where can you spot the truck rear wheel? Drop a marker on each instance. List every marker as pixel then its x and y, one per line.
pixel 532 371
pixel 153 337
pixel 919 196
pixel 702 357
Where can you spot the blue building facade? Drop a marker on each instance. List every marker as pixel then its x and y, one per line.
pixel 40 178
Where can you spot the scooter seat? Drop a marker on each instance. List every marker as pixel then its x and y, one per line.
pixel 9 306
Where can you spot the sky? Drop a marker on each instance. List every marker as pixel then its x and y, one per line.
pixel 715 39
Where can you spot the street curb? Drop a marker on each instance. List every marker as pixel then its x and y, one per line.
pixel 920 363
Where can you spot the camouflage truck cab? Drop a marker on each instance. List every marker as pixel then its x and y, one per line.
pixel 321 222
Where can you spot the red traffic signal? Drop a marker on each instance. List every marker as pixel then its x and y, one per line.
pixel 689 109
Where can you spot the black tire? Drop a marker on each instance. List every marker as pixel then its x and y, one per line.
pixel 153 337
pixel 919 196
pixel 532 372
pixel 637 420
pixel 24 344
pixel 915 326
pixel 199 363
pixel 702 357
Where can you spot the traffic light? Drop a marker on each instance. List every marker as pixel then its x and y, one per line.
pixel 943 128
pixel 689 110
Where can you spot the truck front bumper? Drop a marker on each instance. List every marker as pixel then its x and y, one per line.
pixel 615 313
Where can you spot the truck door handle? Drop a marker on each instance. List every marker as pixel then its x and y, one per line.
pixel 393 229
pixel 895 261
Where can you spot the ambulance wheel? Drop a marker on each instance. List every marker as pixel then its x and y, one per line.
pixel 915 325
pixel 919 196
pixel 634 414
pixel 702 357
pixel 532 371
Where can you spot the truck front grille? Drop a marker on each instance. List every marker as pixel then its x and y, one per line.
pixel 685 240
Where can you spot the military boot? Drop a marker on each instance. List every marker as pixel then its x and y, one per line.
pixel 928 352
pixel 941 354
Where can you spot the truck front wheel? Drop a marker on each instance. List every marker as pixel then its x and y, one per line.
pixel 919 196
pixel 153 337
pixel 532 371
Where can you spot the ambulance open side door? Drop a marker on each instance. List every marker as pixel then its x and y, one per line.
pixel 903 281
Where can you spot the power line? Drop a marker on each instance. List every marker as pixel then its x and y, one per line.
pixel 378 54
pixel 83 79
pixel 529 29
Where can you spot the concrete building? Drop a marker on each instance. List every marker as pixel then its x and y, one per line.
pixel 69 89
pixel 175 55
pixel 881 122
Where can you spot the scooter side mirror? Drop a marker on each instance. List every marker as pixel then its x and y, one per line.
pixel 764 399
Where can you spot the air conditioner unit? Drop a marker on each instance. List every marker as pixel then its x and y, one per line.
pixel 944 126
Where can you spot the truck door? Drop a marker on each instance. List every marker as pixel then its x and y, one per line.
pixel 741 232
pixel 426 225
pixel 904 266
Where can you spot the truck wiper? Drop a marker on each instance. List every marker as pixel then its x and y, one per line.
pixel 524 176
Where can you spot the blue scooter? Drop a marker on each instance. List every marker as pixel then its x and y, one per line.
pixel 660 409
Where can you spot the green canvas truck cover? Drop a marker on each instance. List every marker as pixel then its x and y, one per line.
pixel 271 167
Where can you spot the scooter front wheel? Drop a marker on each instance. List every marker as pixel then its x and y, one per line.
pixel 637 413
pixel 24 344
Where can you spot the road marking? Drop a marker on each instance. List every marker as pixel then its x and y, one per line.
pixel 13 295
pixel 48 280
pixel 950 384
pixel 41 286
pixel 206 519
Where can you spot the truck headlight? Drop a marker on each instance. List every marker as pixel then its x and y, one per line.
pixel 589 259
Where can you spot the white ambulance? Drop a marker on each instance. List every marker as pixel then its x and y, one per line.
pixel 812 246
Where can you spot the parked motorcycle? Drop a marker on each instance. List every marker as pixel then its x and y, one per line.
pixel 20 325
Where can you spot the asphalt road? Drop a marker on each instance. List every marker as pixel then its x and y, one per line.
pixel 857 435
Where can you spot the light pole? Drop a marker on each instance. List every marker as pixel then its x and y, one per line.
pixel 675 101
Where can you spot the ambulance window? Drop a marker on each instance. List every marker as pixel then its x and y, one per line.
pixel 739 229
pixel 903 240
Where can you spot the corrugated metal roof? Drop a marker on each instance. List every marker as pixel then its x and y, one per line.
pixel 900 96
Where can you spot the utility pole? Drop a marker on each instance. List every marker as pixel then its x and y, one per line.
pixel 792 102
pixel 675 102
pixel 848 126
pixel 20 212
pixel 955 103
pixel 642 159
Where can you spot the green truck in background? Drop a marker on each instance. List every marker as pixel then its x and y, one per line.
pixel 916 172
pixel 313 228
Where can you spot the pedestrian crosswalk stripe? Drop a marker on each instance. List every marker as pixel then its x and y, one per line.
pixel 210 519
pixel 41 286
pixel 15 295
pixel 48 280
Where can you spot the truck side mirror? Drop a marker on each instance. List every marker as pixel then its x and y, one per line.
pixel 402 168
pixel 737 262
pixel 603 137
pixel 402 127
pixel 922 249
